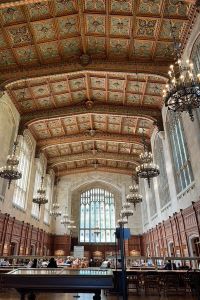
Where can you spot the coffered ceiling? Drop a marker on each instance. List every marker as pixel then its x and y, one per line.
pixel 87 75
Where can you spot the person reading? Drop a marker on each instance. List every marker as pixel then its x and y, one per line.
pixel 170 266
pixel 52 263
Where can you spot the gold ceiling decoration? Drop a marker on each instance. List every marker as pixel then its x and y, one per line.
pixel 69 68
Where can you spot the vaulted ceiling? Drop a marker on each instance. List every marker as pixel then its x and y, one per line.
pixel 87 75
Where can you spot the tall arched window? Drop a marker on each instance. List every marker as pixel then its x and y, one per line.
pixel 182 164
pixel 97 209
pixel 163 186
pixel 152 199
pixel 144 203
pixel 195 55
pixel 21 185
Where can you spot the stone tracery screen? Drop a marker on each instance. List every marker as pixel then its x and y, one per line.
pixel 97 210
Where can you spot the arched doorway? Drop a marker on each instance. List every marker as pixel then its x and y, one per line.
pixel 194 246
pixel 13 249
pixel 32 250
pixel 194 249
pixel 171 248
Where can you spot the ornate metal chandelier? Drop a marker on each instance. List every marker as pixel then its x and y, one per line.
pixel 55 206
pixel 10 171
pixel 147 169
pixel 66 220
pixel 126 211
pixel 134 197
pixel 122 221
pixel 97 230
pixel 41 194
pixel 182 93
pixel 55 212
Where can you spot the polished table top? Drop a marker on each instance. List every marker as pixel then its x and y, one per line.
pixel 62 272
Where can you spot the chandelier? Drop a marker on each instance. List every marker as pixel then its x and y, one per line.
pixel 126 211
pixel 41 194
pixel 134 197
pixel 55 206
pixel 54 212
pixel 182 92
pixel 66 220
pixel 10 171
pixel 147 169
pixel 97 231
pixel 122 221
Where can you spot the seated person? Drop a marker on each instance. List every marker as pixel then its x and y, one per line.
pixel 105 264
pixel 170 266
pixel 76 263
pixel 34 264
pixel 52 263
pixel 119 263
pixel 68 261
pixel 44 263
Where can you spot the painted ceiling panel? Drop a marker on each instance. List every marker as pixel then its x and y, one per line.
pixel 83 75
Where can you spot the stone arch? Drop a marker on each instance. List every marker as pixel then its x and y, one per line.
pixel 191 241
pixel 170 246
pixel 75 198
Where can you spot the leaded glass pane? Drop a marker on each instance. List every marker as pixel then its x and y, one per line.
pixel 97 210
pixel 182 165
pixel 163 186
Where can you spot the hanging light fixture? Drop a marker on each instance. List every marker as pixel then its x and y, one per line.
pixel 41 194
pixel 182 92
pixel 134 197
pixel 66 220
pixel 122 221
pixel 147 169
pixel 10 171
pixel 126 211
pixel 54 212
pixel 97 230
pixel 55 206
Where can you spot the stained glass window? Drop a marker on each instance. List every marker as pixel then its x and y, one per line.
pixel 195 57
pixel 21 185
pixel 97 210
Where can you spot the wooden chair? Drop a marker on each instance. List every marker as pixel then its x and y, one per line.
pixel 174 283
pixel 152 283
pixel 133 284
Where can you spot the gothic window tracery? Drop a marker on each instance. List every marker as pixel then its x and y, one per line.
pixel 97 213
pixel 181 160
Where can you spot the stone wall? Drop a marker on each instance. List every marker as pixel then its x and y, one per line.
pixel 71 186
pixel 9 121
pixel 192 136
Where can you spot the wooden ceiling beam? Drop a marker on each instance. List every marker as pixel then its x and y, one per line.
pixel 11 75
pixel 91 169
pixel 108 137
pixel 12 3
pixel 53 161
pixel 153 114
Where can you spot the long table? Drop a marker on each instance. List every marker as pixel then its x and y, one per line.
pixel 32 281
